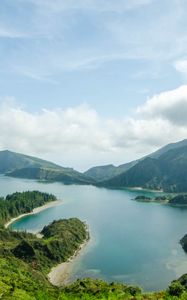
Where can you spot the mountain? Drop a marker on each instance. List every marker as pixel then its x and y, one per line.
pixel 167 172
pixel 106 172
pixel 102 173
pixel 68 176
pixel 168 147
pixel 24 166
pixel 10 161
pixel 163 169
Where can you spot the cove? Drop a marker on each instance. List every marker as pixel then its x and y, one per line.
pixel 131 242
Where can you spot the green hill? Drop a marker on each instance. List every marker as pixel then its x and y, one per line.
pixel 24 166
pixel 102 173
pixel 10 161
pixel 68 176
pixel 168 172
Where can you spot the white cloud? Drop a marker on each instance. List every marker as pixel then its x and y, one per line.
pixel 170 105
pixel 79 137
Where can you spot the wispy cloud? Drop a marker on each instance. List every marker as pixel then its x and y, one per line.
pixel 29 73
pixel 98 5
pixel 125 30
pixel 10 33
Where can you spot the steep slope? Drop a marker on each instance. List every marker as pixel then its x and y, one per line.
pixel 137 176
pixel 24 166
pixel 102 173
pixel 168 172
pixel 168 147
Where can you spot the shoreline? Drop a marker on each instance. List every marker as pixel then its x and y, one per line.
pixel 59 275
pixel 33 212
pixel 137 188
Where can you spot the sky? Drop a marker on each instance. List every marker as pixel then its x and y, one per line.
pixel 92 82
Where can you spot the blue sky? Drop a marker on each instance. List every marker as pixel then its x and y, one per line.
pixel 107 58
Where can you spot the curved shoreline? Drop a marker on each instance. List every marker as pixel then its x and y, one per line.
pixel 33 212
pixel 59 275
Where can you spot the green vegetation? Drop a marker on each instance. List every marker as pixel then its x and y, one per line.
pixel 103 173
pixel 24 166
pixel 68 176
pixel 158 199
pixel 143 198
pixel 10 161
pixel 165 169
pixel 19 281
pixel 109 171
pixel 167 173
pixel 179 200
pixel 25 261
pixel 183 242
pixel 60 241
pixel 20 203
pixel 174 200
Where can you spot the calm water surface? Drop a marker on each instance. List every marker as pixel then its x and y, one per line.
pixel 132 242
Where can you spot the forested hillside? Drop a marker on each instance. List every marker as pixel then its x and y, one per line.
pixel 103 173
pixel 20 203
pixel 167 173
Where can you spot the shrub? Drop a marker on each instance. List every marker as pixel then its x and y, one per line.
pixel 176 289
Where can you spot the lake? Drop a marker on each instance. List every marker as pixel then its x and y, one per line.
pixel 131 242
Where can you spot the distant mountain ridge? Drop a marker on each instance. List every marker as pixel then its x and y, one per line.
pixel 9 161
pixel 102 173
pixel 24 166
pixel 168 172
pixel 164 169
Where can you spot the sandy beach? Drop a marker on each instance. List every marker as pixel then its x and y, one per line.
pixel 35 211
pixel 60 274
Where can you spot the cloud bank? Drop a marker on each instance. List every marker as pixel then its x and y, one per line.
pixel 80 137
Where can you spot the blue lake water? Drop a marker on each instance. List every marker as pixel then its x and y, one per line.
pixel 132 242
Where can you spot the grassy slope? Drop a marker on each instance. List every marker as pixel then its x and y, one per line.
pixel 23 277
pixel 25 260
